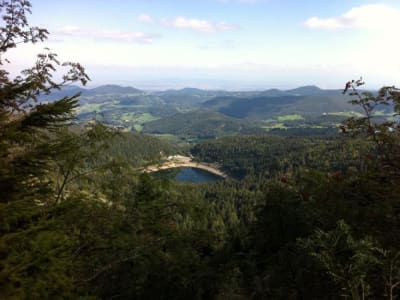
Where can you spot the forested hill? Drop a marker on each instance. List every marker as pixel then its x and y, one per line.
pixel 201 125
pixel 191 96
pixel 270 156
pixel 109 89
pixel 137 150
pixel 303 109
pixel 310 218
pixel 112 89
pixel 314 104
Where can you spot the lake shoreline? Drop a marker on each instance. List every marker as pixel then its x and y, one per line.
pixel 178 161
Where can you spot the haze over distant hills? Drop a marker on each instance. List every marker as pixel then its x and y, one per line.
pixel 308 100
pixel 189 91
pixel 191 113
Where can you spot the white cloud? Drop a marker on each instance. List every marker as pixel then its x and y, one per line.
pixel 145 19
pixel 108 35
pixel 198 25
pixel 371 16
pixel 328 23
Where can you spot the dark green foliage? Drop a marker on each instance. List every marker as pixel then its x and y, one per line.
pixel 138 150
pixel 270 155
pixel 200 125
pixel 265 107
pixel 306 131
pixel 32 243
pixel 384 134
pixel 188 97
pixel 313 218
pixel 346 259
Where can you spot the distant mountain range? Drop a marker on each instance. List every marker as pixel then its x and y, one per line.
pixel 112 89
pixel 109 89
pixel 264 107
pixel 211 112
pixel 116 89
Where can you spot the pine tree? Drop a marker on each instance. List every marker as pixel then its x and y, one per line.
pixel 31 240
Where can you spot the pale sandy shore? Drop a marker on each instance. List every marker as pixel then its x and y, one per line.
pixel 178 161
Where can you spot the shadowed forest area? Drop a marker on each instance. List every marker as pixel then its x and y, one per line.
pixel 300 216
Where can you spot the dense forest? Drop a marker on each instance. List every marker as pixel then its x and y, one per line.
pixel 310 217
pixel 200 125
pixel 270 155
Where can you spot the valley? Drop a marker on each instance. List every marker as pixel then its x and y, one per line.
pixel 192 115
pixel 115 192
pixel 193 194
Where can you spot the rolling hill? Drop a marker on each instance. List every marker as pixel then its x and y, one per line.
pixel 200 125
pixel 112 89
pixel 266 107
pixel 192 112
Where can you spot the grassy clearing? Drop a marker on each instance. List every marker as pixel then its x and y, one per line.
pixel 136 117
pixel 346 114
pixel 169 137
pixel 144 118
pixel 128 117
pixel 275 126
pixel 294 117
pixel 86 108
pixel 269 121
pixel 138 127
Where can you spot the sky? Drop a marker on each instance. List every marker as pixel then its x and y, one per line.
pixel 230 44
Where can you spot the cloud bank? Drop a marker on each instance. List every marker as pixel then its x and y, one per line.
pixel 108 35
pixel 198 25
pixel 370 16
pixel 193 24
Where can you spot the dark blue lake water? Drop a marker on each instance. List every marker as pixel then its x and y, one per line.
pixel 195 175
pixel 188 175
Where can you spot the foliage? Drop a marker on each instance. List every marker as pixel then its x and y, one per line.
pixel 383 134
pixel 271 156
pixel 346 259
pixel 200 125
pixel 32 246
pixel 261 107
pixel 313 218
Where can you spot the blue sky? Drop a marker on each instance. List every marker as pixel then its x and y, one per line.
pixel 233 44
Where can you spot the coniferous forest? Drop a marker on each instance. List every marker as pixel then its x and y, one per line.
pixel 300 217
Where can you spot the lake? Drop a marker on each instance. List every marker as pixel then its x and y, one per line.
pixel 185 174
